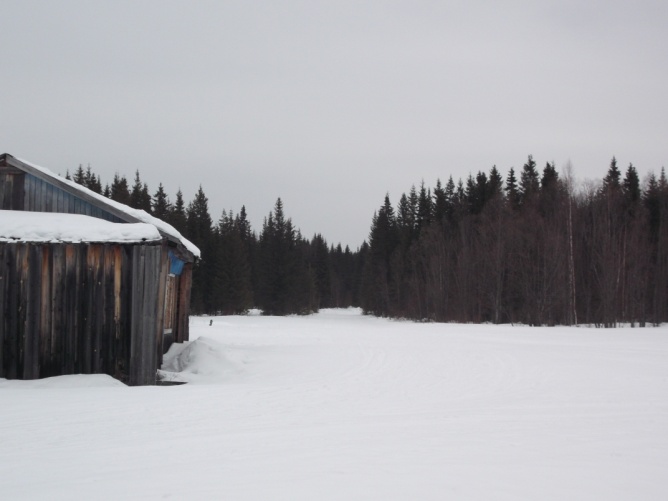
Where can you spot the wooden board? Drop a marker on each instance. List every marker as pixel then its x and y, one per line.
pixel 82 308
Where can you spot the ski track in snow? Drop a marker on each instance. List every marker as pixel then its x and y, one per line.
pixel 342 406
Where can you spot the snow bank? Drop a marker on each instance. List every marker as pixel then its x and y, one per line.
pixel 54 227
pixel 203 360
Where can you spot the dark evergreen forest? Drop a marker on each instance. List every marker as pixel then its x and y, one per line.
pixel 530 247
pixel 278 270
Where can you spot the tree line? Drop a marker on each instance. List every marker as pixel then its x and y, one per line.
pixel 528 247
pixel 534 249
pixel 278 271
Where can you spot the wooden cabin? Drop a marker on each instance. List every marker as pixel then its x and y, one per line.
pixel 87 285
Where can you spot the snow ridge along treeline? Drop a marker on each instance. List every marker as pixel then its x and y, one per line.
pixel 532 248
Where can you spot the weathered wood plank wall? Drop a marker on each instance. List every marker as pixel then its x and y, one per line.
pixel 183 304
pixel 81 308
pixel 22 191
pixel 41 196
pixel 11 189
pixel 160 304
pixel 143 360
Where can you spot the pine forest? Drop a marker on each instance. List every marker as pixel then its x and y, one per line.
pixel 531 246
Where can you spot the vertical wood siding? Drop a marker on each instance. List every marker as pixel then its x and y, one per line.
pixel 183 304
pixel 82 308
pixel 11 190
pixel 40 196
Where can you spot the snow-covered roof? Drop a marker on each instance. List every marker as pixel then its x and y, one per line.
pixel 131 215
pixel 25 226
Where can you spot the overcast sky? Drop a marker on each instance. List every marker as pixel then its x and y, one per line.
pixel 330 105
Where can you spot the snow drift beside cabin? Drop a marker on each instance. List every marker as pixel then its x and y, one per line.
pixel 201 361
pixel 137 214
pixel 54 227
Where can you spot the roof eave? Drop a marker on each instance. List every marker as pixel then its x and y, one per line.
pixel 11 161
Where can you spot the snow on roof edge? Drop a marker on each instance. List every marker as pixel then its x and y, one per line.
pixel 138 214
pixel 48 227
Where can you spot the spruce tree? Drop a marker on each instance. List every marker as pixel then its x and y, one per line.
pixel 551 192
pixel 145 199
pixel 611 179
pixel 383 239
pixel 80 176
pixel 281 274
pixel 494 184
pixel 177 216
pixel 119 189
pixel 405 221
pixel 242 223
pixel 459 202
pixel 232 287
pixel 98 185
pixel 89 177
pixel 139 196
pixel 135 193
pixel 321 265
pixel 424 209
pixel 198 219
pixel 512 192
pixel 550 177
pixel 161 207
pixel 631 185
pixel 440 203
pixel 245 249
pixel 481 191
pixel 529 184
pixel 471 194
pixel 91 181
pixel 200 232
pixel 663 182
pixel 450 197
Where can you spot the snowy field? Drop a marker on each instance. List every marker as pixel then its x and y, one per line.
pixel 338 406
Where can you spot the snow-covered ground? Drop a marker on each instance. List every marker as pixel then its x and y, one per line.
pixel 345 407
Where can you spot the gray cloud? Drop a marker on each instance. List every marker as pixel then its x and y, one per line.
pixel 330 104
